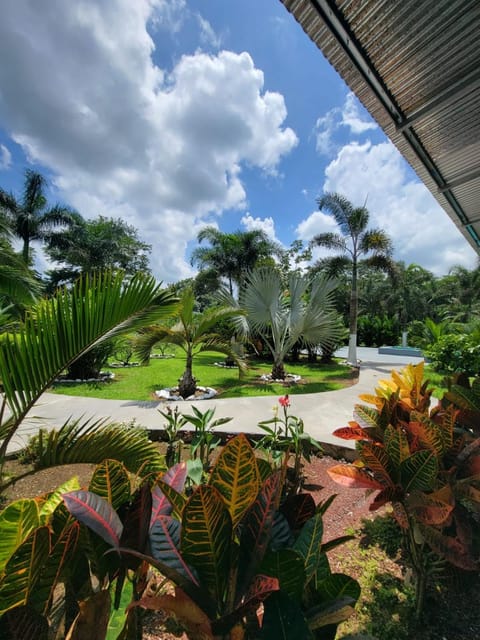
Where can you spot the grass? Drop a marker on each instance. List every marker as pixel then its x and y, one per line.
pixel 139 383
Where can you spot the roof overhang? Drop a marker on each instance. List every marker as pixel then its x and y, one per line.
pixel 415 66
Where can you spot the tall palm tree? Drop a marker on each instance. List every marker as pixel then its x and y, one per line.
pixel 30 218
pixel 193 333
pixel 354 242
pixel 304 311
pixel 233 255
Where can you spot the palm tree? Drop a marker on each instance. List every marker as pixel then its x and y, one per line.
pixel 60 329
pixel 30 218
pixel 193 333
pixel 304 311
pixel 353 242
pixel 233 255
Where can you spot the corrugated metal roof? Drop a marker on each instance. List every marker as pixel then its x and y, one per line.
pixel 415 66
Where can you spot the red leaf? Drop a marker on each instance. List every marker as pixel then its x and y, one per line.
pixel 352 432
pixel 350 476
pixel 297 509
pixel 389 494
pixel 96 513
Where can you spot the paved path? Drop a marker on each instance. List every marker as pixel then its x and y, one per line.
pixel 322 413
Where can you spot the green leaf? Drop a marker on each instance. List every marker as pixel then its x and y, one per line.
pixel 287 565
pixel 283 619
pixel 376 459
pixel 235 475
pixel 23 569
pixel 175 478
pixel 419 471
pixel 298 509
pixel 111 481
pixel 206 539
pixel 51 502
pixel 337 586
pixel 396 446
pixel 16 522
pixel 309 545
pixel 96 513
pixel 332 613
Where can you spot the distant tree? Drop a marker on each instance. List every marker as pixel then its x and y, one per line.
pixel 354 243
pixel 30 218
pixel 95 245
pixel 233 255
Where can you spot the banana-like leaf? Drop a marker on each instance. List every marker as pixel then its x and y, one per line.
pixel 17 521
pixel 283 619
pixel 59 330
pixel 175 478
pixel 353 477
pixel 137 523
pixel 257 529
pixel 206 540
pixel 165 545
pixel 287 565
pixel 96 513
pixel 111 481
pixel 309 545
pixel 298 508
pixel 23 569
pixel 59 558
pixel 419 471
pixel 94 441
pixel 235 475
pixel 23 623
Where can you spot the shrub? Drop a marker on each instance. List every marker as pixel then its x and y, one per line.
pixel 374 331
pixel 455 353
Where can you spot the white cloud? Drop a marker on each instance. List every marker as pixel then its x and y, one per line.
pixel 5 157
pixel 421 231
pixel 164 150
pixel 207 33
pixel 350 116
pixel 267 225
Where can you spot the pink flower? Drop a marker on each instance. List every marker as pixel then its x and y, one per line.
pixel 284 401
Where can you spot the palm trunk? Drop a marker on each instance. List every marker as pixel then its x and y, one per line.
pixel 352 342
pixel 187 383
pixel 278 371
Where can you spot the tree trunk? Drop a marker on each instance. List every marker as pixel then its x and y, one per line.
pixel 187 383
pixel 352 342
pixel 278 371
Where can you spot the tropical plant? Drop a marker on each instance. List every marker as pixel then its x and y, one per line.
pixel 455 353
pixel 30 218
pixel 427 332
pixel 282 317
pixel 286 436
pixel 58 330
pixel 354 241
pixel 377 330
pixel 174 422
pixel 233 255
pixel 204 439
pixel 229 547
pixel 97 244
pixel 193 333
pixel 425 462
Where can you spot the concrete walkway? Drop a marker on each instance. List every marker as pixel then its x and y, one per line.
pixel 322 413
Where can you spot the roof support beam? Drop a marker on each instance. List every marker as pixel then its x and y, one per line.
pixel 462 179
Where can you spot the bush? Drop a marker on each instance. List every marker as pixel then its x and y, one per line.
pixel 375 331
pixel 454 353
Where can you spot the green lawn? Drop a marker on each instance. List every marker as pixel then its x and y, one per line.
pixel 139 383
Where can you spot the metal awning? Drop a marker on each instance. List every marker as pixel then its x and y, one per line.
pixel 415 66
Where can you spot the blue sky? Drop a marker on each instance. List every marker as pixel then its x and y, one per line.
pixel 176 114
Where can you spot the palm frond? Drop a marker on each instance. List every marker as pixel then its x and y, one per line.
pixel 261 298
pixel 377 241
pixel 333 267
pixel 330 240
pixel 59 330
pixel 95 441
pixel 339 207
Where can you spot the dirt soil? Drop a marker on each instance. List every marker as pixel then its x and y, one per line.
pixel 452 610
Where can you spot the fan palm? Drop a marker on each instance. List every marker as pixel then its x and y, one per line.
pixel 30 218
pixel 193 333
pixel 354 242
pixel 304 311
pixel 57 331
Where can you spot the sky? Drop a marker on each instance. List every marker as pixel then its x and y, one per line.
pixel 175 114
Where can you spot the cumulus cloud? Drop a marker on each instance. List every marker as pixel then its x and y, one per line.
pixel 421 231
pixel 350 116
pixel 163 148
pixel 267 225
pixel 5 157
